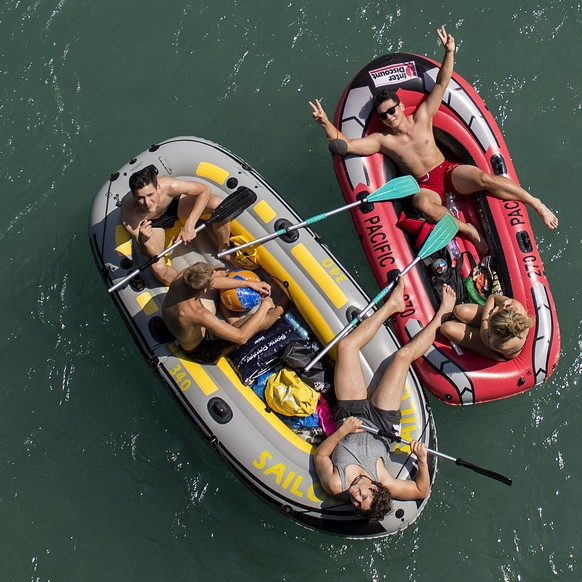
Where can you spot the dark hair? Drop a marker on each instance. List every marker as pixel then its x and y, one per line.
pixel 385 95
pixel 380 506
pixel 143 178
pixel 197 277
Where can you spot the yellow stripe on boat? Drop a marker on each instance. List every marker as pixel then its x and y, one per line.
pixel 212 172
pixel 208 387
pixel 260 406
pixel 319 275
pixel 147 303
pixel 265 212
pixel 197 371
pixel 122 241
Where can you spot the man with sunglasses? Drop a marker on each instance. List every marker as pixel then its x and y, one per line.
pixel 160 209
pixel 352 461
pixel 409 141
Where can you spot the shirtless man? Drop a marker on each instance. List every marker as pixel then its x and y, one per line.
pixel 351 461
pixel 409 141
pixel 153 205
pixel 201 334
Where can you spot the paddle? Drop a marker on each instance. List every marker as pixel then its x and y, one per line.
pixel 457 461
pixel 229 208
pixel 443 232
pixel 396 188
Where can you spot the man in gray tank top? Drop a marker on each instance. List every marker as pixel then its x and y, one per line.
pixel 352 461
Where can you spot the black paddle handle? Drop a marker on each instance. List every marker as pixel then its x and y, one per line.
pixel 491 474
pixel 486 472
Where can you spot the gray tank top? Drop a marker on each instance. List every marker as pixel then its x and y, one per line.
pixel 360 449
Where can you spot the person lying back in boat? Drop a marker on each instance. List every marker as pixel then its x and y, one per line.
pixel 409 141
pixel 155 203
pixel 351 461
pixel 496 330
pixel 200 333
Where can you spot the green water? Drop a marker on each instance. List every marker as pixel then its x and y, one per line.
pixel 102 477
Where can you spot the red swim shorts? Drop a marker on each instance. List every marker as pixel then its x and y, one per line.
pixel 439 179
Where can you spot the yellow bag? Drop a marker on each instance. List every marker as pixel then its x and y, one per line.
pixel 246 258
pixel 287 394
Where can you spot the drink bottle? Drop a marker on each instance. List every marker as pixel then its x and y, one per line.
pixel 296 325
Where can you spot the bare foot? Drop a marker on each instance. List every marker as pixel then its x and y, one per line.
pixel 549 218
pixel 447 303
pixel 396 302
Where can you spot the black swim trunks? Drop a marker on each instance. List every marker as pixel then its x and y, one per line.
pixel 388 420
pixel 210 349
pixel 169 217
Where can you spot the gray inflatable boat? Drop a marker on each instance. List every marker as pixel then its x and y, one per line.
pixel 265 452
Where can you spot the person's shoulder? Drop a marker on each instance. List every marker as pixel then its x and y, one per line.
pixel 167 184
pixel 388 140
pixel 331 481
pixel 172 183
pixel 377 136
pixel 422 110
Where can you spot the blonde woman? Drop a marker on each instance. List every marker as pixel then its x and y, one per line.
pixel 496 330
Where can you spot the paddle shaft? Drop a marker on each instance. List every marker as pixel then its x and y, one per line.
pixel 291 228
pixel 358 317
pixel 151 261
pixel 461 463
pixel 231 207
pixel 443 232
pixel 395 188
pixel 458 461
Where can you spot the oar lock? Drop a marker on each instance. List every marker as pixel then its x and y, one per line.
pixel 366 207
pixel 288 237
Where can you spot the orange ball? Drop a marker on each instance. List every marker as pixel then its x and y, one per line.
pixel 241 299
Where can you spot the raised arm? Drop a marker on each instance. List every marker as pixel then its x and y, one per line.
pixel 263 318
pixel 406 489
pixel 433 101
pixel 339 143
pixel 222 283
pixel 140 230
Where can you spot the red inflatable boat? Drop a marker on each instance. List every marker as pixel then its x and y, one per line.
pixel 466 132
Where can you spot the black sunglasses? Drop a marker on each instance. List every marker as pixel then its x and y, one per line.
pixel 389 111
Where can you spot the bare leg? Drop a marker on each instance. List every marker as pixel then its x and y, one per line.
pixel 348 377
pixel 237 319
pixel 467 331
pixel 164 272
pixel 388 395
pixel 221 229
pixel 222 232
pixel 469 313
pixel 469 179
pixel 429 203
pixel 468 336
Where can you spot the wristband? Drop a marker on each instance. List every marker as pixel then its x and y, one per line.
pixel 338 147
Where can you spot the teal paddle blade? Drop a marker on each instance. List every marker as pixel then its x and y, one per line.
pixel 442 234
pixel 396 188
